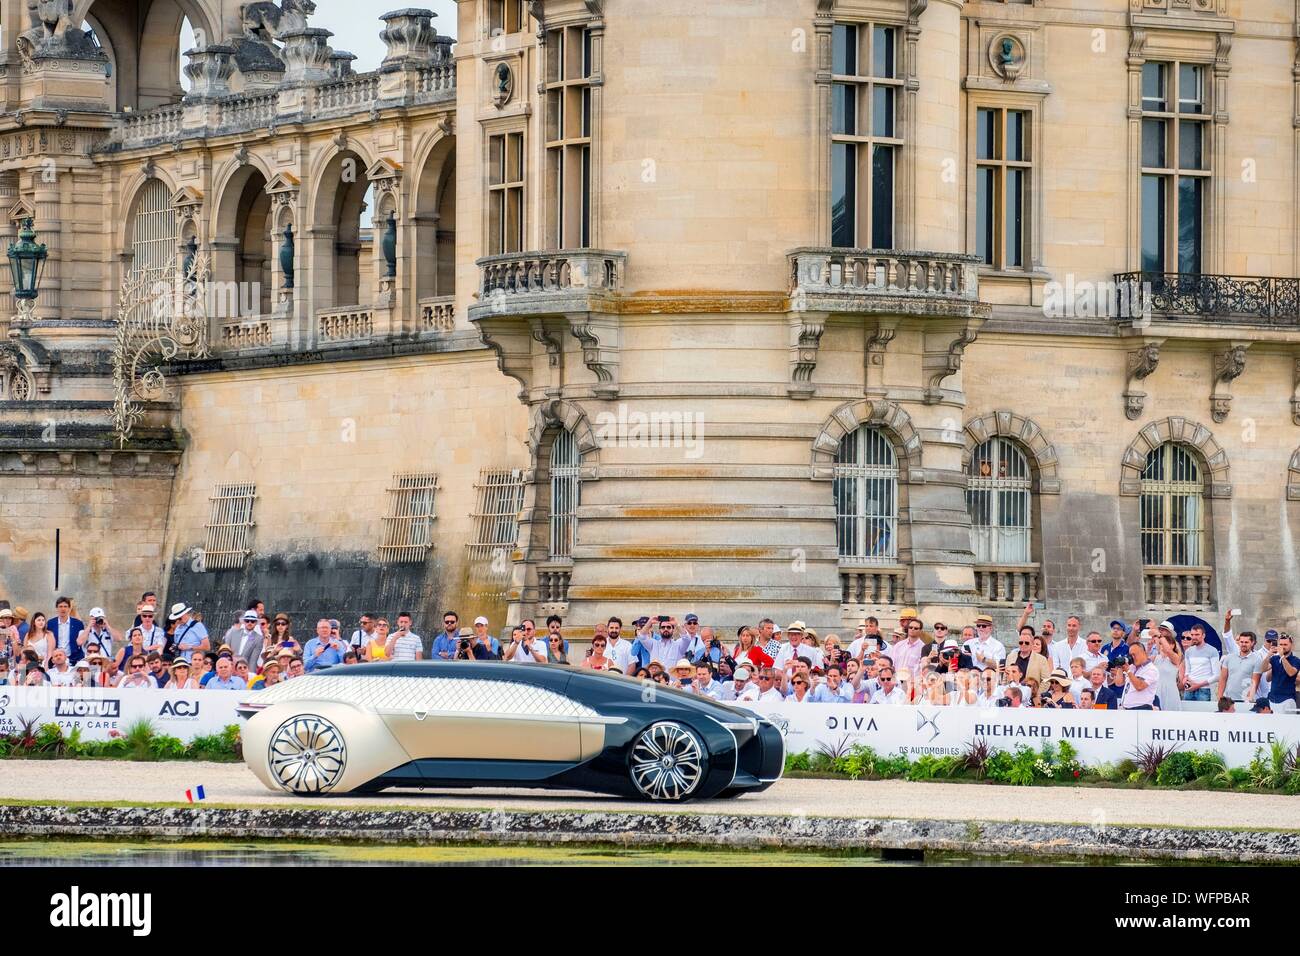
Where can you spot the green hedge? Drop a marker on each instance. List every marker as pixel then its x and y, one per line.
pixel 140 742
pixel 1273 770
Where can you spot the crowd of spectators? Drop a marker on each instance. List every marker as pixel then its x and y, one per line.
pixel 1138 665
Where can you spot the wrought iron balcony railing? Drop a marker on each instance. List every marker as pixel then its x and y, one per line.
pixel 1255 300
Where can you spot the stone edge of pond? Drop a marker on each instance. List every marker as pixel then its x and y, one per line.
pixel 651 829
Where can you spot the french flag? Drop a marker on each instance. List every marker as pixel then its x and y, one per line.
pixel 195 794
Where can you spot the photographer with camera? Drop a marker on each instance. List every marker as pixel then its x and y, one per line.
pixel 1142 678
pixel 1283 666
pixel 478 644
pixel 948 657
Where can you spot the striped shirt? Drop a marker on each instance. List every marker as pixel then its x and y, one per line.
pixel 405 648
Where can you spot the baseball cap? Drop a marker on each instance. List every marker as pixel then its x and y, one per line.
pixel 640 620
pixel 950 642
pixel 480 620
pixel 94 612
pixel 1126 628
pixel 250 616
pixel 82 665
pixel 692 619
pixel 1270 635
pixel 742 673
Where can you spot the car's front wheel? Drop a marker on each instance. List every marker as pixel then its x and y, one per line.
pixel 307 754
pixel 667 761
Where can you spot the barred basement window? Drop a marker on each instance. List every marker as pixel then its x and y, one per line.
pixel 568 136
pixel 499 496
pixel 998 496
pixel 408 525
pixel 865 486
pixel 564 494
pixel 865 140
pixel 1172 508
pixel 230 529
pixel 153 230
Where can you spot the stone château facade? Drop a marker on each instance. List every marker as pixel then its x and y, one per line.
pixel 809 308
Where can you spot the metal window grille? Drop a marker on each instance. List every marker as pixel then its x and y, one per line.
pixel 408 525
pixel 231 527
pixel 153 230
pixel 499 496
pixel 865 486
pixel 998 497
pixel 564 494
pixel 1172 508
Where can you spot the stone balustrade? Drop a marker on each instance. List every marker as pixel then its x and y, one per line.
pixel 542 273
pixel 152 126
pixel 872 586
pixel 245 335
pixel 553 585
pixel 247 112
pixel 863 279
pixel 345 325
pixel 1167 588
pixel 437 314
pixel 1008 584
pixel 351 95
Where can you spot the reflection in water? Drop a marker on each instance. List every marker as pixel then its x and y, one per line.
pixel 67 852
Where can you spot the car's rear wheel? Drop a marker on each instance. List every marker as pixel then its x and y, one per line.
pixel 307 754
pixel 667 761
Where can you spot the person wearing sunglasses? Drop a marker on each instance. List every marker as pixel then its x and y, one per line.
pixel 137 673
pixel 768 689
pixel 596 660
pixel 1032 665
pixel 889 692
pixel 798 690
pixel 555 649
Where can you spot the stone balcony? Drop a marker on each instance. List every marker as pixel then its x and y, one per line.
pixel 877 281
pixel 547 283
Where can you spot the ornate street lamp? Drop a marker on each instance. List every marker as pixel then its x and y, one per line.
pixel 26 260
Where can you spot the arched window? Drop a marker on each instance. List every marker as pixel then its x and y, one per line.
pixel 1172 505
pixel 865 485
pixel 564 494
pixel 998 497
pixel 152 230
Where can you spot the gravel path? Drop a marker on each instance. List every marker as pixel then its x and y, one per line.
pixel 113 781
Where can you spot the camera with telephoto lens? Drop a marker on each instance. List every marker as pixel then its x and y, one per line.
pixel 1002 702
pixel 1123 660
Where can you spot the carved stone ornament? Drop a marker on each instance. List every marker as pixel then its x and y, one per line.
pixel 1228 365
pixel 503 84
pixel 1007 56
pixel 1141 363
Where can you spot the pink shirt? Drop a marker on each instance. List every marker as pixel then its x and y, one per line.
pixel 906 655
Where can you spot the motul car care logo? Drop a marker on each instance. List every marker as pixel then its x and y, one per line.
pixel 179 708
pixel 87 708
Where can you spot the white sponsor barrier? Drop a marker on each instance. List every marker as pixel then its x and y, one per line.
pixel 101 713
pixel 1100 736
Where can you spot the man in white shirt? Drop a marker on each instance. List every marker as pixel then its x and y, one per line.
pixel 619 650
pixel 984 649
pixel 868 638
pixel 889 693
pixel 989 692
pixel 1201 664
pixel 99 632
pixel 1236 669
pixel 1067 650
pixel 741 689
pixel 1092 652
pixel 797 648
pixel 364 633
pixel 667 648
pixel 525 648
pixel 59 673
pixel 767 686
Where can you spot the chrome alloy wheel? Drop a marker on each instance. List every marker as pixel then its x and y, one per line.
pixel 307 754
pixel 667 761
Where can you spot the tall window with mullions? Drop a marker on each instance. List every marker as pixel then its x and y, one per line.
pixel 1172 500
pixel 865 487
pixel 565 487
pixel 1176 166
pixel 865 136
pixel 999 497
